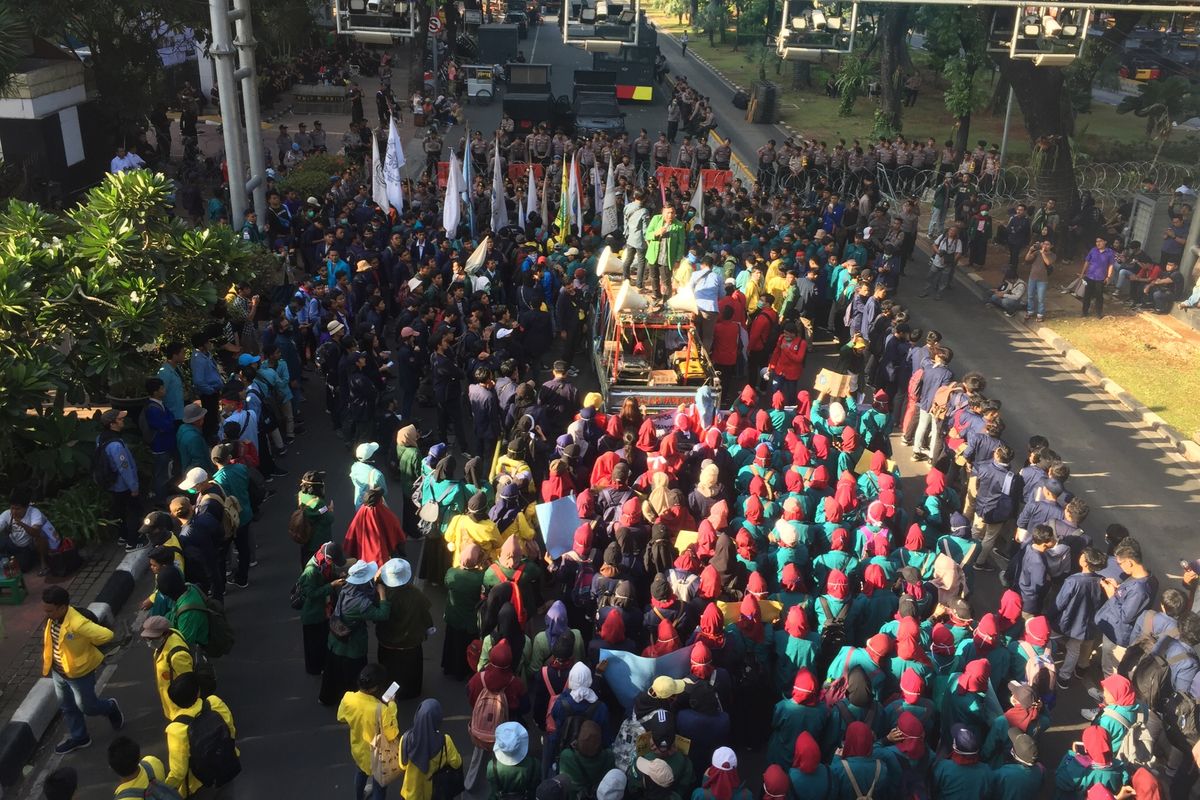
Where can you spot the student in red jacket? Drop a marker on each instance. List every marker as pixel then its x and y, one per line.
pixel 787 362
pixel 761 331
pixel 726 336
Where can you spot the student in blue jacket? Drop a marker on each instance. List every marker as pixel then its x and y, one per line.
pixel 1033 576
pixel 1074 614
pixel 1126 601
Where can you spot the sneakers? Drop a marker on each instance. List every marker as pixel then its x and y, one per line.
pixel 1062 684
pixel 1089 714
pixel 1096 694
pixel 134 545
pixel 923 294
pixel 982 567
pixel 69 745
pixel 117 718
pixel 243 585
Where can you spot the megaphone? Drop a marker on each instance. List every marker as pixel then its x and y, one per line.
pixel 629 298
pixel 683 300
pixel 609 263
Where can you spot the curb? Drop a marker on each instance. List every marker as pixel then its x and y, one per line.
pixel 1177 443
pixel 21 735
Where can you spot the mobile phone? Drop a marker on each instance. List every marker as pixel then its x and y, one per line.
pixel 1077 747
pixel 391 692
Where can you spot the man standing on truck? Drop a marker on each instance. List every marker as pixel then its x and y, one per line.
pixel 636 216
pixel 664 247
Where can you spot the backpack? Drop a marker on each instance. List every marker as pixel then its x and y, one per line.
pixel 625 746
pixel 220 632
pixel 269 417
pixel 833 637
pixel 581 588
pixel 571 725
pixel 300 529
pixel 1179 716
pixel 858 792
pixel 515 580
pixel 835 691
pixel 214 758
pixel 551 725
pixel 153 791
pixel 1040 669
pixel 103 472
pixel 1012 570
pixel 429 515
pixel 1137 745
pixel 941 399
pixel 231 517
pixel 326 358
pixel 1149 672
pixel 489 712
pixel 202 668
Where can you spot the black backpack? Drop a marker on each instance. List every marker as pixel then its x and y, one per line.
pixel 102 469
pixel 1012 570
pixel 327 359
pixel 1149 672
pixel 213 755
pixel 833 635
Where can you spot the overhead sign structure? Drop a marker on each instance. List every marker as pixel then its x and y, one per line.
pixel 601 26
pixel 811 28
pixel 376 21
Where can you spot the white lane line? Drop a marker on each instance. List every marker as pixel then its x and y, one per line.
pixel 533 52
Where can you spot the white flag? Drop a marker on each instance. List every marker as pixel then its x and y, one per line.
pixel 597 189
pixel 452 202
pixel 611 218
pixel 698 201
pixel 378 181
pixel 574 204
pixel 395 160
pixel 499 201
pixel 544 204
pixel 531 194
pixel 478 257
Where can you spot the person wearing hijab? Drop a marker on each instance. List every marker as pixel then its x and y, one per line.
pixel 513 566
pixel 317 585
pixel 577 704
pixel 1094 766
pixel 360 601
pixel 988 642
pixel 909 759
pixel 962 776
pixel 655 503
pixel 425 749
pixel 560 483
pixel 507 516
pixel 807 776
pixel 473 525
pixel 514 771
pixel 838 604
pixel 855 771
pixel 1009 616
pixel 449 495
pixel 464 587
pixel 612 785
pixel 730 572
pixel 707 493
pixel 498 676
pixel 585 760
pixel 937 505
pixel 795 649
pixel 402 635
pixel 508 628
pixel 911 699
pixel 721 780
pixel 966 702
pixel 364 475
pixel 880 602
pixel 710 528
pixel 611 636
pixel 1031 658
pixel 375 533
pixel 914 554
pixel 910 655
pixel 1026 715
pixel 368 715
pixel 858 704
pixel 318 512
pixel 752 706
pixel 947 579
pixel 1119 711
pixel 678 517
pixel 557 627
pixel 798 714
pixel 408 469
pixel 666 640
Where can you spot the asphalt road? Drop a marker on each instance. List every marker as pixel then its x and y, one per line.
pixel 293 747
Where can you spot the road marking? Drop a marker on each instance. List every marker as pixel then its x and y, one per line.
pixel 533 52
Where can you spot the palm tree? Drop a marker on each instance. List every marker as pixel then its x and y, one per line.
pixel 14 35
pixel 1163 104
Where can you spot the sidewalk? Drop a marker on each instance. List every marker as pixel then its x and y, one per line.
pixel 21 647
pixel 1152 356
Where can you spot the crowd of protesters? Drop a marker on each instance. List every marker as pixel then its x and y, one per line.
pixel 830 620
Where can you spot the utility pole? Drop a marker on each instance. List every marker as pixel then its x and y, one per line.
pixel 222 54
pixel 1007 122
pixel 245 44
pixel 238 140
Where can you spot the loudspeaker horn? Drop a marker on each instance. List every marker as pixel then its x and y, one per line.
pixel 609 263
pixel 629 298
pixel 683 300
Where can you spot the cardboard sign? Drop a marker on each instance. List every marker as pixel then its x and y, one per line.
pixel 835 384
pixel 558 520
pixel 771 610
pixel 686 539
pixel 864 463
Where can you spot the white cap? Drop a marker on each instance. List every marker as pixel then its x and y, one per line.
pixel 194 477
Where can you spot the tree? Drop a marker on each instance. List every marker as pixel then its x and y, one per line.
pixel 1163 104
pixel 14 36
pixel 851 81
pixel 894 22
pixel 954 37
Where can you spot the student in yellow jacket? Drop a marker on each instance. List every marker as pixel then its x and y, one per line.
pixel 424 750
pixel 172 658
pixel 136 774
pixel 187 772
pixel 70 657
pixel 368 715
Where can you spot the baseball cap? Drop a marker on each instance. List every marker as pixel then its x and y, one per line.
pixel 195 476
pixel 246 359
pixel 572 251
pixel 665 687
pixel 312 201
pixel 1024 747
pixel 407 331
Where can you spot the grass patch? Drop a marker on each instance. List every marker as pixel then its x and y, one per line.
pixel 1152 365
pixel 811 112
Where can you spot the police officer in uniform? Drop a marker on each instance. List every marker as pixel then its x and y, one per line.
pixel 721 155
pixel 661 151
pixel 641 152
pixel 433 152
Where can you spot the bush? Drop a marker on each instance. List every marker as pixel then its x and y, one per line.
pixel 311 177
pixel 80 512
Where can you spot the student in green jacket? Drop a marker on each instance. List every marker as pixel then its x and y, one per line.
pixel 318 511
pixel 360 601
pixel 323 575
pixel 189 613
pixel 189 439
pixel 514 772
pixel 464 588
